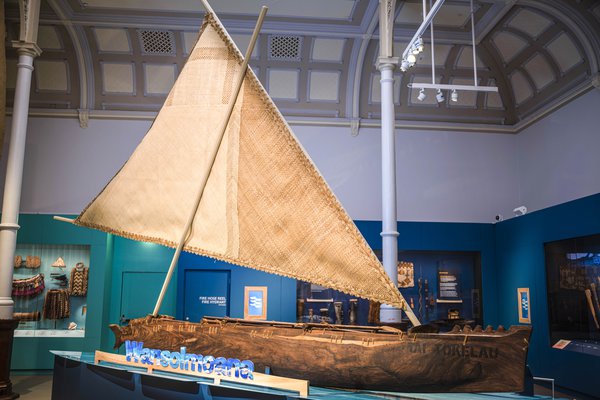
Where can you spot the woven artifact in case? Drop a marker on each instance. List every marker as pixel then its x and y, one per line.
pixel 56 304
pixel 33 262
pixel 78 284
pixel 29 286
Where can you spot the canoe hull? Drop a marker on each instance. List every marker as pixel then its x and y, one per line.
pixel 338 356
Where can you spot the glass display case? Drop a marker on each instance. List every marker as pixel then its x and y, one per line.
pixel 442 287
pixel 573 283
pixel 446 286
pixel 50 284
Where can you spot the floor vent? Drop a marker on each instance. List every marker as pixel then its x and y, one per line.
pixel 157 42
pixel 285 47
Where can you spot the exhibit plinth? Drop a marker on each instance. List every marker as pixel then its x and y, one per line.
pixel 78 377
pixel 7 331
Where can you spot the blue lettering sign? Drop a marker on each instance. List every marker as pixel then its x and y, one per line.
pixel 136 352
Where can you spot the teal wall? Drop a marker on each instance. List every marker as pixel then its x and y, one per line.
pixel 137 259
pixel 110 258
pixel 521 263
pixel 33 353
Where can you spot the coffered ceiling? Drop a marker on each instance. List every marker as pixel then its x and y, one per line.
pixel 317 59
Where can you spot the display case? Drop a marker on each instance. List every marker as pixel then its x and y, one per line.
pixel 573 285
pixel 442 287
pixel 50 284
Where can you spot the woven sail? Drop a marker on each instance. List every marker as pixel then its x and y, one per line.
pixel 265 205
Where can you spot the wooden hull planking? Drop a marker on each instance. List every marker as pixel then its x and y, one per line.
pixel 352 357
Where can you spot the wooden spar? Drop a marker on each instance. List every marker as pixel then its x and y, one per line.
pixel 588 295
pixel 63 219
pixel 215 150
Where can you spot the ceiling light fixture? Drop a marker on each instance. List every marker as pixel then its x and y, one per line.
pixel 454 95
pixel 421 95
pixel 439 96
pixel 415 46
pixel 404 65
pixel 418 46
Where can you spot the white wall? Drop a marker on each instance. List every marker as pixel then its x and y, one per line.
pixel 442 176
pixel 66 166
pixel 559 157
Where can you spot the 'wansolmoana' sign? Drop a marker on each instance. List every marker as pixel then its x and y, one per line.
pixel 136 352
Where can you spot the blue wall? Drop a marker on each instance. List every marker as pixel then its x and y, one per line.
pixel 281 292
pixel 521 263
pixel 448 237
pixel 413 236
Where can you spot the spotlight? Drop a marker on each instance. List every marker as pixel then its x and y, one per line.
pixel 411 58
pixel 421 95
pixel 454 95
pixel 439 96
pixel 418 46
pixel 404 65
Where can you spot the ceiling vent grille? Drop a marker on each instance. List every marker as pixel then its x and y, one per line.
pixel 156 42
pixel 285 47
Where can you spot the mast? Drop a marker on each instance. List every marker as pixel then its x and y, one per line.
pixel 213 156
pixel 386 64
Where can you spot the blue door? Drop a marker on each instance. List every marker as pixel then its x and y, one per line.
pixel 206 294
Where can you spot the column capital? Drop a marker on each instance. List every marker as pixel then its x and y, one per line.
pixel 387 63
pixel 29 48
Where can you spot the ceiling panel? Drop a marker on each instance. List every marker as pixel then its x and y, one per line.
pixel 112 40
pixel 48 38
pixel 283 83
pixel 540 71
pixel 189 40
pixel 336 9
pixel 118 78
pixel 51 75
pixel 324 85
pixel 450 15
pixel 564 51
pixel 521 88
pixel 508 45
pixel 328 49
pixel 242 41
pixel 317 54
pixel 159 78
pixel 530 22
pixel 465 59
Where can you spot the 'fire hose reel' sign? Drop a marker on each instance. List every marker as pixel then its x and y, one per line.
pixel 220 301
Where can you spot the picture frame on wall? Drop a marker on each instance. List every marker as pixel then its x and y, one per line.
pixel 255 302
pixel 524 305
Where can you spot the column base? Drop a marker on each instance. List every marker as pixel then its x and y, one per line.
pixel 7 331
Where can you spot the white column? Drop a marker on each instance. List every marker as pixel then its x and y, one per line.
pixel 14 175
pixel 389 232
